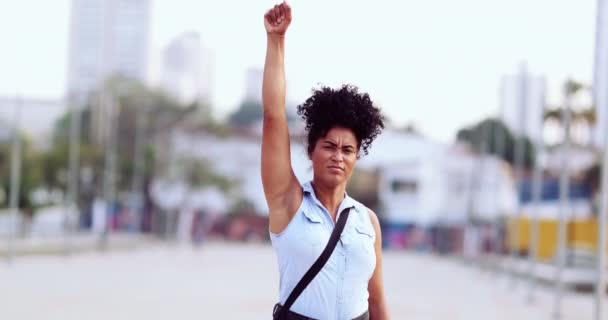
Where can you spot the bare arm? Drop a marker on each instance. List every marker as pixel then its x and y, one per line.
pixel 281 187
pixel 377 302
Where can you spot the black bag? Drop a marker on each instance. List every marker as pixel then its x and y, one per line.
pixel 279 312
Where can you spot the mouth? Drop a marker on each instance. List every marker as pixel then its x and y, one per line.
pixel 335 168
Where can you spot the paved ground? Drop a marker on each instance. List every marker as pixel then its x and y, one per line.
pixel 229 281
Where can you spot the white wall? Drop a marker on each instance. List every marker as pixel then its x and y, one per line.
pixel 450 184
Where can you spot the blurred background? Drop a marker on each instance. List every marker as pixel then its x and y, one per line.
pixel 130 135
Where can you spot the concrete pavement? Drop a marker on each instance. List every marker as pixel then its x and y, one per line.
pixel 236 281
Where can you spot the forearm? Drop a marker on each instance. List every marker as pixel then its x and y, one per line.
pixel 273 86
pixel 378 310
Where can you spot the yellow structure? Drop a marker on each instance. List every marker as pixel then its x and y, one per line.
pixel 581 234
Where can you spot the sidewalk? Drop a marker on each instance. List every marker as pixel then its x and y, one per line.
pixel 573 277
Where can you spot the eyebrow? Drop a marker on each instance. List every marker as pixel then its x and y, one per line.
pixel 330 142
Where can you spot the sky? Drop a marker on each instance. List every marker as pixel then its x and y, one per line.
pixel 435 64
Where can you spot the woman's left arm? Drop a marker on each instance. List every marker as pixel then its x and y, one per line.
pixel 377 302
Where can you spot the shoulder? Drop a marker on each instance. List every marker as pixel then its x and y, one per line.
pixel 375 222
pixel 373 218
pixel 367 212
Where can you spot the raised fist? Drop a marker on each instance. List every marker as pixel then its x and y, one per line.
pixel 277 19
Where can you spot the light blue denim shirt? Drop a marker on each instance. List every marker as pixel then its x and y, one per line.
pixel 339 291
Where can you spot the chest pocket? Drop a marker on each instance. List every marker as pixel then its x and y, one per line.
pixel 365 231
pixel 359 243
pixel 358 236
pixel 313 237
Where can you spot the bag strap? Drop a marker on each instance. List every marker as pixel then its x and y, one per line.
pixel 317 266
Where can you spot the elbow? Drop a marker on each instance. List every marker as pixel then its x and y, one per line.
pixel 272 115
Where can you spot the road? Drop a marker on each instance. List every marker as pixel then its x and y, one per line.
pixel 239 281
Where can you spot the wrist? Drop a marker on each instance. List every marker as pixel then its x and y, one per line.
pixel 275 36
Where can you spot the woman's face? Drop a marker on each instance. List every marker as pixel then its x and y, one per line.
pixel 334 157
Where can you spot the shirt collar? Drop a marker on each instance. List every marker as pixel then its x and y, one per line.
pixel 347 202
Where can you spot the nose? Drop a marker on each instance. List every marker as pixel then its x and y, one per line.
pixel 338 156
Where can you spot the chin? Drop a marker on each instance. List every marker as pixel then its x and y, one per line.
pixel 332 180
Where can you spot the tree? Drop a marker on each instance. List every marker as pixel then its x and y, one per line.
pixel 498 140
pixel 31 173
pixel 199 173
pixel 248 113
pixel 160 113
pixel 251 111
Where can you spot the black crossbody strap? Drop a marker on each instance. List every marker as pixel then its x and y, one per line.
pixel 318 265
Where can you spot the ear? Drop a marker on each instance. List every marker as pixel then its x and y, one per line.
pixel 309 151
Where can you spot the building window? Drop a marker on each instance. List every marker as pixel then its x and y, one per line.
pixel 404 186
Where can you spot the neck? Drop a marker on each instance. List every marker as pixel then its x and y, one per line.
pixel 330 197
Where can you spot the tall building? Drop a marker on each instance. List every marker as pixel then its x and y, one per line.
pixel 522 100
pixel 107 37
pixel 187 69
pixel 601 74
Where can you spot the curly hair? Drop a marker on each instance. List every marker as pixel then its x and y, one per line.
pixel 328 108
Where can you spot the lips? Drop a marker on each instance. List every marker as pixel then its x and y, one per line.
pixel 335 168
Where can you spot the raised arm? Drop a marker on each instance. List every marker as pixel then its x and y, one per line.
pixel 281 187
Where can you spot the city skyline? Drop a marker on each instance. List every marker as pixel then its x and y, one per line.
pixel 420 68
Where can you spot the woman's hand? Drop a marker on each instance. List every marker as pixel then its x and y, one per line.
pixel 277 19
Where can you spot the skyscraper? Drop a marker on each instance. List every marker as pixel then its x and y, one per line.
pixel 522 98
pixel 187 69
pixel 107 37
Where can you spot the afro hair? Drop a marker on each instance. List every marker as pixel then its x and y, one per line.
pixel 345 107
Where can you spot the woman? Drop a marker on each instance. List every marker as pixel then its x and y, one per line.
pixel 341 125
